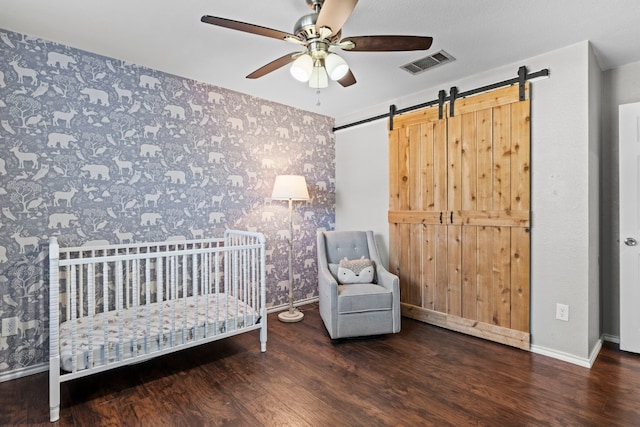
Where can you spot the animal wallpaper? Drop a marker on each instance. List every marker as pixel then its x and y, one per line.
pixel 95 149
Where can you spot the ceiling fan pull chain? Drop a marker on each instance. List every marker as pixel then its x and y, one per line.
pixel 318 93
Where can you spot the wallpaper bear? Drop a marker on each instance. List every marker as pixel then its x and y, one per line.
pixel 94 149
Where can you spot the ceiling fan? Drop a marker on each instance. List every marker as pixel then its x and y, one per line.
pixel 318 32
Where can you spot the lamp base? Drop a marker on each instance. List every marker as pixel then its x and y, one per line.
pixel 290 317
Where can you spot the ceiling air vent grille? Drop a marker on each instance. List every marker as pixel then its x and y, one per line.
pixel 430 61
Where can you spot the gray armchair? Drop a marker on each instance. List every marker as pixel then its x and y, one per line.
pixel 358 309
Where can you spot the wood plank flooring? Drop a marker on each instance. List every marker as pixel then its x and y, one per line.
pixel 422 376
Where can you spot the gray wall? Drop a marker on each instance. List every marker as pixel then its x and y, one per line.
pixel 620 86
pixel 564 259
pixel 94 149
pixel 362 169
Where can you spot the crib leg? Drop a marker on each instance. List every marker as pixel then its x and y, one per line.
pixel 263 335
pixel 54 389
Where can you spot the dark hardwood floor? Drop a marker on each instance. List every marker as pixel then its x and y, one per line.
pixel 423 376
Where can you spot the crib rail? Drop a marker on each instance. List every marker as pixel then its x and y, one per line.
pixel 141 300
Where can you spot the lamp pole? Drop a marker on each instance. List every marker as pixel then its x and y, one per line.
pixel 290 187
pixel 293 315
pixel 290 256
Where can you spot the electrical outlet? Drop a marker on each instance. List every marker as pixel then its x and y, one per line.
pixel 562 312
pixel 9 326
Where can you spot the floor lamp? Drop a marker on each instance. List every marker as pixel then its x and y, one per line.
pixel 290 187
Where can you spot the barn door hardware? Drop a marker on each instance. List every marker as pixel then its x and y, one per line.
pixel 522 79
pixel 392 112
pixel 451 217
pixel 442 96
pixel 523 76
pixel 453 94
pixel 440 217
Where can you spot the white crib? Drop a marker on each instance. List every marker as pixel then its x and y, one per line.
pixel 114 305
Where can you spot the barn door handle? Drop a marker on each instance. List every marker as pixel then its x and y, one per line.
pixel 451 218
pixel 440 217
pixel 630 241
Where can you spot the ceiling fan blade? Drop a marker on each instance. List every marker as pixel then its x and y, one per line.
pixel 274 65
pixel 334 13
pixel 386 43
pixel 348 79
pixel 247 28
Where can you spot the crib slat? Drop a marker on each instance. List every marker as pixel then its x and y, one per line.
pixel 119 308
pixel 127 280
pixel 194 281
pixel 245 285
pixel 185 292
pixel 80 291
pixel 91 299
pixel 227 279
pixel 147 291
pixel 216 291
pixel 105 310
pixel 160 287
pixel 173 300
pixel 206 278
pixel 134 312
pixel 74 333
pixel 67 276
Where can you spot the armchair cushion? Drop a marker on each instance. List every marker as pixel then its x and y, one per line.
pixel 363 297
pixel 355 271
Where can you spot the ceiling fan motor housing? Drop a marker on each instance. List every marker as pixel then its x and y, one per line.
pixel 306 27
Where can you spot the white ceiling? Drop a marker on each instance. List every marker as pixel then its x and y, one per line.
pixel 481 34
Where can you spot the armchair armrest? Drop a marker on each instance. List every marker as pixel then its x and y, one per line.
pixel 387 279
pixel 326 281
pixel 327 291
pixel 391 282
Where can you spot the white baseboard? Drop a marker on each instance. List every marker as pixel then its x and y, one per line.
pixel 282 307
pixel 570 358
pixel 611 338
pixel 24 372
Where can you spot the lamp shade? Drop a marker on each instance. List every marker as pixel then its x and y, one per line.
pixel 336 66
pixel 301 68
pixel 290 187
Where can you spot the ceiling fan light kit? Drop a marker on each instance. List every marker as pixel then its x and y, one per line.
pixel 336 66
pixel 301 68
pixel 319 78
pixel 318 32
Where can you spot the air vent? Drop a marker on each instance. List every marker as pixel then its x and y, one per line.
pixel 423 64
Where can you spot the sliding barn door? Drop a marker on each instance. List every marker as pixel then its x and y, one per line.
pixel 459 215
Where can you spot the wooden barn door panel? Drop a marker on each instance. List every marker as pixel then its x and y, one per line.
pixel 417 196
pixel 459 216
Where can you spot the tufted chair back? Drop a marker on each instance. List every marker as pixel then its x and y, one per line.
pixel 345 244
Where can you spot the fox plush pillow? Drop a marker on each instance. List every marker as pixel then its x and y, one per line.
pixel 355 271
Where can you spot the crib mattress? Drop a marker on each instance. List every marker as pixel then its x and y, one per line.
pixel 206 315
